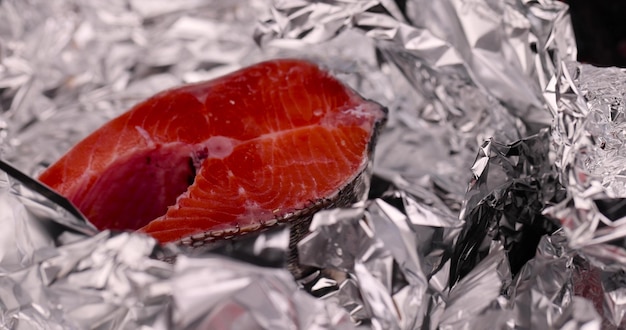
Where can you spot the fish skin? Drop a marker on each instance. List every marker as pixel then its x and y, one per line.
pixel 269 143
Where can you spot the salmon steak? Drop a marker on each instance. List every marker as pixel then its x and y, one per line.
pixel 270 143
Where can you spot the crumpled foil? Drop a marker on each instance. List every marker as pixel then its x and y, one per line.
pixel 480 67
pixel 513 184
pixel 479 92
pixel 589 142
pixel 65 276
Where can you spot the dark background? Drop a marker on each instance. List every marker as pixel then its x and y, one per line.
pixel 600 28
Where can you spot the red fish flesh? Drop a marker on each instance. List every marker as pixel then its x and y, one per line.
pixel 224 157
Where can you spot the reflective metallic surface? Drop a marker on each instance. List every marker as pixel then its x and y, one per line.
pixel 496 203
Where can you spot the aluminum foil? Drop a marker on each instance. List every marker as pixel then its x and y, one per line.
pixel 58 273
pixel 481 68
pixel 589 139
pixel 479 92
pixel 513 184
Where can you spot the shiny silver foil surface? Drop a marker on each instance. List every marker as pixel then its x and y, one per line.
pixel 58 273
pixel 496 200
pixel 589 142
pixel 480 68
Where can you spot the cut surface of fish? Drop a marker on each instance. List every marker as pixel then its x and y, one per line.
pixel 224 157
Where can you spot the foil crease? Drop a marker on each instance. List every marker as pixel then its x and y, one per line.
pixel 214 292
pixel 379 258
pixel 424 251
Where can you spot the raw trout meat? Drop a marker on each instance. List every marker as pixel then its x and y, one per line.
pixel 267 144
